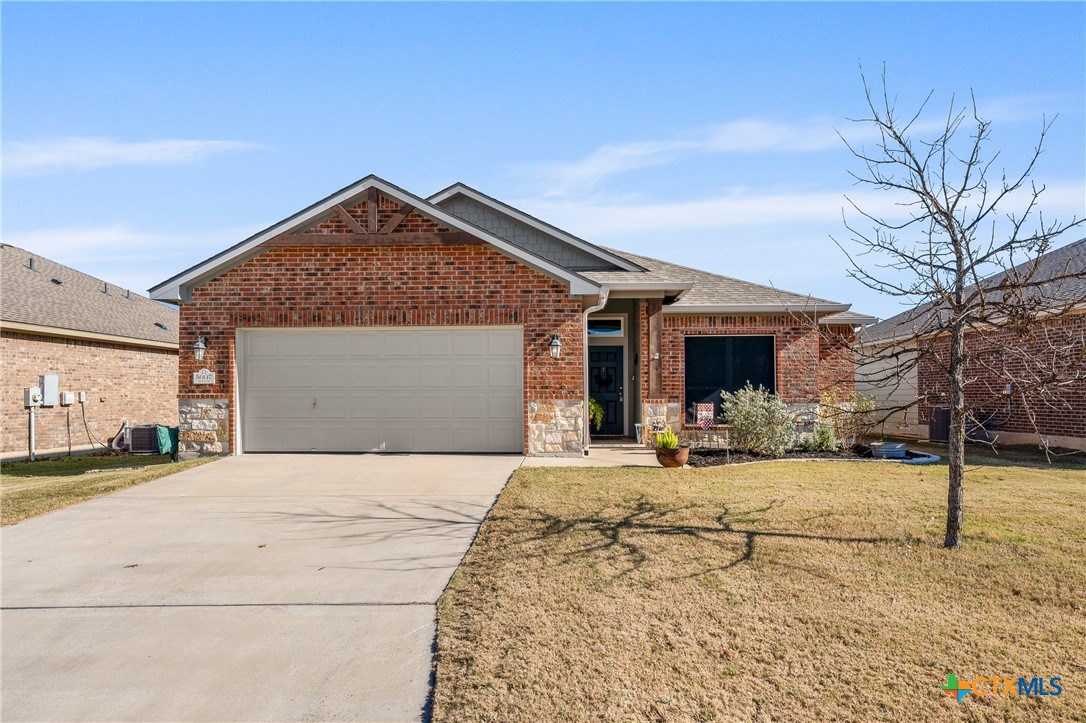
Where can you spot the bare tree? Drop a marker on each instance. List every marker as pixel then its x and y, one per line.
pixel 969 267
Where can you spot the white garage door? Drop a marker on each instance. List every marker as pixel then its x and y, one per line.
pixel 423 389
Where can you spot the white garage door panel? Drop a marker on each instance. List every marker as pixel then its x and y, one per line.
pixel 423 390
pixel 296 345
pixel 262 345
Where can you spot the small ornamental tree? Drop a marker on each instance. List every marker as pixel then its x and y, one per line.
pixel 760 422
pixel 964 246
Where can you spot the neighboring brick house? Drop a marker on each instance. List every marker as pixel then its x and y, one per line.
pixel 1058 416
pixel 375 320
pixel 118 347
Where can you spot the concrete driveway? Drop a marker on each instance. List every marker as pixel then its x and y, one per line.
pixel 261 587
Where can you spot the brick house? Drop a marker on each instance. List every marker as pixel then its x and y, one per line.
pixel 117 347
pixel 1058 415
pixel 376 320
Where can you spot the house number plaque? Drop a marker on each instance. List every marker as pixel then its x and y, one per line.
pixel 204 376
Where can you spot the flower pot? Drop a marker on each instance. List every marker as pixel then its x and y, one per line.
pixel 673 457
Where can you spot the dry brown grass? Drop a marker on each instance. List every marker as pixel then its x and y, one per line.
pixel 779 591
pixel 28 489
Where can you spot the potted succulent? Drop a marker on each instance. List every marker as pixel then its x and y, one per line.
pixel 669 452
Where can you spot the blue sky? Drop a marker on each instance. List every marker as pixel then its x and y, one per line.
pixel 141 138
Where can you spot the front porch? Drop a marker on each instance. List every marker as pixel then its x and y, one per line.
pixel 626 359
pixel 651 365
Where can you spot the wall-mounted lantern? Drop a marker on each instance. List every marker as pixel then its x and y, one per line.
pixel 556 347
pixel 199 348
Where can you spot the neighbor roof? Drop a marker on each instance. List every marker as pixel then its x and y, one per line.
pixel 79 305
pixel 1069 259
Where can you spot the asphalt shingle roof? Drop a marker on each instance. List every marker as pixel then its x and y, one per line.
pixel 1069 259
pixel 78 302
pixel 708 288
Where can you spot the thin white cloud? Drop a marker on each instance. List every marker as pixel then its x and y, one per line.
pixel 596 218
pixel 610 220
pixel 125 256
pixel 740 136
pixel 606 161
pixel 82 154
pixel 1018 108
pixel 752 135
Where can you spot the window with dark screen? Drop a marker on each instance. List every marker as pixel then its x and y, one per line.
pixel 725 363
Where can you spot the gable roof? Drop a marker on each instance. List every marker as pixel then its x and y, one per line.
pixel 1069 259
pixel 80 305
pixel 606 255
pixel 539 245
pixel 177 288
pixel 713 293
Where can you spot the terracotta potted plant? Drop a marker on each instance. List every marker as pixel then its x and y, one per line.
pixel 669 452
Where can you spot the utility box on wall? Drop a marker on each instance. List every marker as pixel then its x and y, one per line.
pixel 50 390
pixel 32 397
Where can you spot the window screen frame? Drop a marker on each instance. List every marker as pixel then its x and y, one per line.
pixel 688 414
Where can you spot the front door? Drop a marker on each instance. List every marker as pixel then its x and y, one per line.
pixel 605 386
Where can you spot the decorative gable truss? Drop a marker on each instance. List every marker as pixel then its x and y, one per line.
pixel 376 221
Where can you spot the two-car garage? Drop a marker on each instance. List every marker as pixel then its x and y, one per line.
pixel 418 389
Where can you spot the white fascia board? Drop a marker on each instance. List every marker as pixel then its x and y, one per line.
pixel 177 289
pixel 650 294
pixel 853 319
pixel 541 226
pixel 651 285
pixel 170 293
pixel 755 308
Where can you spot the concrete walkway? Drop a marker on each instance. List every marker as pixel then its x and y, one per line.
pixel 616 455
pixel 262 587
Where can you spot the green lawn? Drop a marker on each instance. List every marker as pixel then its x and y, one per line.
pixel 778 591
pixel 28 489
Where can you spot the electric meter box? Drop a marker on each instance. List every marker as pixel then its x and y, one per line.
pixel 50 389
pixel 31 397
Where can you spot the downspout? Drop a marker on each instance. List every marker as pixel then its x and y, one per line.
pixel 604 291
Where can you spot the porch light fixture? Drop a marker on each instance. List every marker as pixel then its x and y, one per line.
pixel 556 347
pixel 199 348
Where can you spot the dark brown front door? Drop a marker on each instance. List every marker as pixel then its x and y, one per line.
pixel 605 386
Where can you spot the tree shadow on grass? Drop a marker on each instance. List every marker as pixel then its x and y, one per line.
pixel 620 534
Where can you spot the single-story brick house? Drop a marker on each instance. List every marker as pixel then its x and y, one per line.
pixel 907 392
pixel 376 320
pixel 117 347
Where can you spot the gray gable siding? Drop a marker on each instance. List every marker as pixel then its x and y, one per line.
pixel 524 236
